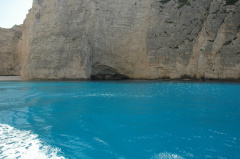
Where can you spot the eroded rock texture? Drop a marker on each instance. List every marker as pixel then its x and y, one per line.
pixel 9 57
pixel 139 39
pixel 198 40
pixel 54 43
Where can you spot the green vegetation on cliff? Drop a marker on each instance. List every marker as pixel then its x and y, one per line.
pixel 165 1
pixel 183 3
pixel 186 2
pixel 231 2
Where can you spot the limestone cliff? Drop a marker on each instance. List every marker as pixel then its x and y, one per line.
pixel 137 39
pixel 9 57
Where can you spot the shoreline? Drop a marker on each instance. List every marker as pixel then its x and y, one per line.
pixel 11 78
pixel 19 78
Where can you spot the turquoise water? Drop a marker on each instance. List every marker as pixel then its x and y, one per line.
pixel 114 119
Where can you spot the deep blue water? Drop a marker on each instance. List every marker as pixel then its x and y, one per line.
pixel 120 119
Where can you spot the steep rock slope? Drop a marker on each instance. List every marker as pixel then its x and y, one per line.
pixel 137 39
pixel 53 45
pixel 9 57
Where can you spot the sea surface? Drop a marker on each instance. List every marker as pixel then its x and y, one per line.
pixel 119 120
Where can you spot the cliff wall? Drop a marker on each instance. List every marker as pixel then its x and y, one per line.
pixel 9 57
pixel 137 39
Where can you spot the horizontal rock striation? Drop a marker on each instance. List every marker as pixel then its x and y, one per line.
pixel 131 39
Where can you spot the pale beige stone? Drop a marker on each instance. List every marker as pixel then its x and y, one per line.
pixel 136 39
pixel 9 57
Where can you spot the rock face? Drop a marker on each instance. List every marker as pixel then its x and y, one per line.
pixel 9 57
pixel 136 39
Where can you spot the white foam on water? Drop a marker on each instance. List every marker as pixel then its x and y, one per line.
pixel 166 155
pixel 100 95
pixel 20 144
pixel 101 141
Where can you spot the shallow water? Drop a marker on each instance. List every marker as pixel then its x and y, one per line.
pixel 119 119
